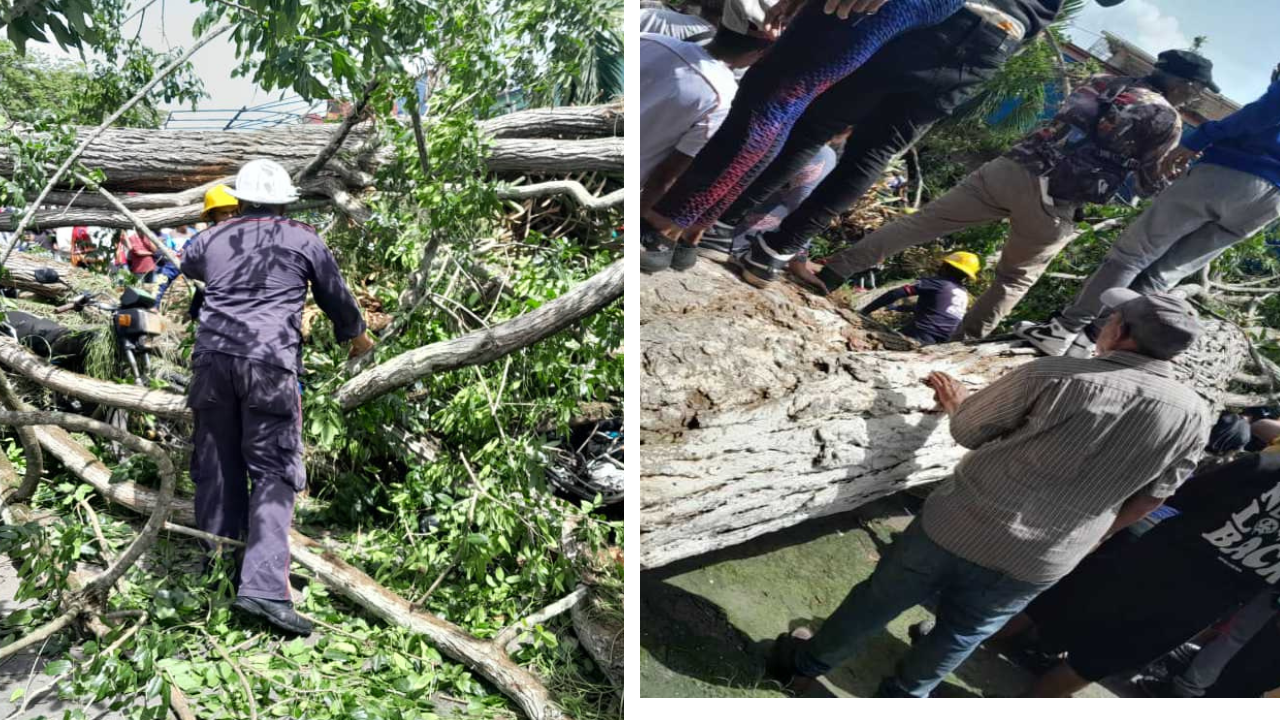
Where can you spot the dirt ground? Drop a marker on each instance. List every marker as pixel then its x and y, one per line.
pixel 706 623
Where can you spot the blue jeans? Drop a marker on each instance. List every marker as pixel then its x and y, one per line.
pixel 972 603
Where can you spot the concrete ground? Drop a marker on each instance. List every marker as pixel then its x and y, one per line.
pixel 706 623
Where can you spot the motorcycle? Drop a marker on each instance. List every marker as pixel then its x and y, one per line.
pixel 135 326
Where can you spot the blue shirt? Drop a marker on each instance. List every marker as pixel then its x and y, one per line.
pixel 256 269
pixel 1248 140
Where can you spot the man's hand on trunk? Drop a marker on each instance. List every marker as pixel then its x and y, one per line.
pixel 947 391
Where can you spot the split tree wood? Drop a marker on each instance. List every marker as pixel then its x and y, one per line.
pixel 762 410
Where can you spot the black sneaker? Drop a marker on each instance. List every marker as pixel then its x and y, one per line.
pixel 717 242
pixel 684 256
pixel 920 629
pixel 279 613
pixel 657 253
pixel 781 663
pixel 760 265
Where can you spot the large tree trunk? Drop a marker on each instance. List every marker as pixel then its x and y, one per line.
pixel 166 161
pixel 764 409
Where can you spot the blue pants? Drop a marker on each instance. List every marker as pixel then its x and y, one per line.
pixel 972 603
pixel 248 427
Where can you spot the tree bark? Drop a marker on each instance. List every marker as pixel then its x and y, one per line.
pixel 562 122
pixel 127 397
pixel 762 410
pixel 486 345
pixel 20 273
pixel 167 161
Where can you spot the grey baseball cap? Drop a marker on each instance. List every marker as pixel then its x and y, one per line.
pixel 1162 325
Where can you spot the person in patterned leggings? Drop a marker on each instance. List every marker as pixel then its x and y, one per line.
pixel 814 53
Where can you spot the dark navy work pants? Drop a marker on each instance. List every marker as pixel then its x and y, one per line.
pixel 247 462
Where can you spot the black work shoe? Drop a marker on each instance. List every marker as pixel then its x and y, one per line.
pixel 717 242
pixel 279 613
pixel 781 663
pixel 760 265
pixel 684 256
pixel 657 253
pixel 920 629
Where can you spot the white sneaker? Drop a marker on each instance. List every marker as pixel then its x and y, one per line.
pixel 1081 347
pixel 1049 338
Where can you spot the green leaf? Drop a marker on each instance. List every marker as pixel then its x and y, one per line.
pixel 17 694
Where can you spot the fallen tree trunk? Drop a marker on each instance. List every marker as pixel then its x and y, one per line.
pixel 482 656
pixel 562 122
pixel 20 273
pixel 762 410
pixel 486 345
pixel 169 161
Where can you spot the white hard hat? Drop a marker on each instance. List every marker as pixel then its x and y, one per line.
pixel 265 182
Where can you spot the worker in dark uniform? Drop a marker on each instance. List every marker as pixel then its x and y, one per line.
pixel 244 393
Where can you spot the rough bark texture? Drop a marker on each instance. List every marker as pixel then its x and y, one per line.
pixel 128 397
pixel 175 160
pixel 486 345
pixel 20 271
pixel 562 122
pixel 761 410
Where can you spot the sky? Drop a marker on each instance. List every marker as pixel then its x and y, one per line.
pixel 1241 35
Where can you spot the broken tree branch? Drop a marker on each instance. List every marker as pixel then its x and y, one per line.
pixel 31 451
pixel 338 137
pixel 75 155
pixel 512 637
pixel 573 189
pixel 486 345
pixel 126 397
pixel 522 686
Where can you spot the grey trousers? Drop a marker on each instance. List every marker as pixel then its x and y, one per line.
pixel 1188 225
pixel 1208 664
pixel 1001 189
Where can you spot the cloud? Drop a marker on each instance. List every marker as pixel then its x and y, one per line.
pixel 1153 30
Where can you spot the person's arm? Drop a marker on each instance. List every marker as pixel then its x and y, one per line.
pixel 1154 174
pixel 990 413
pixel 1133 510
pixel 336 300
pixel 193 260
pixel 662 178
pixel 1258 115
pixel 888 299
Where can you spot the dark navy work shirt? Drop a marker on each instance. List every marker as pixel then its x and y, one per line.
pixel 256 269
pixel 940 307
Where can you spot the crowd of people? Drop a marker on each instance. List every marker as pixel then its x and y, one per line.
pixel 1076 529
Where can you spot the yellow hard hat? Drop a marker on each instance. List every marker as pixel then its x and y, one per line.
pixel 218 197
pixel 965 262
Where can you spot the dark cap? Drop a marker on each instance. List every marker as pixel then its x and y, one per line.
pixel 1162 325
pixel 1188 66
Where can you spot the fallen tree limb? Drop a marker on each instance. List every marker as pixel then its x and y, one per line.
pixel 173 161
pixel 514 636
pixel 31 451
pixel 126 397
pixel 572 189
pixel 20 273
pixel 486 345
pixel 525 689
pixel 562 122
pixel 339 137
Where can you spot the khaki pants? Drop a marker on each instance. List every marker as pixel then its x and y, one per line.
pixel 998 190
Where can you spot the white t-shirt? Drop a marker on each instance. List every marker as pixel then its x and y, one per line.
pixel 684 96
pixel 665 21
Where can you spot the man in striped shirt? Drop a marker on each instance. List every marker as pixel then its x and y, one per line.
pixel 1064 452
